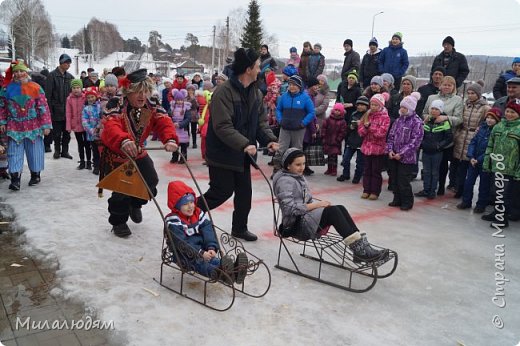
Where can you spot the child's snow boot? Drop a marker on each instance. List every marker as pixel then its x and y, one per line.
pixel 241 265
pixel 226 270
pixel 362 249
pixel 15 182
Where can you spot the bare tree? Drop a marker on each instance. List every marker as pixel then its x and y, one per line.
pixel 29 26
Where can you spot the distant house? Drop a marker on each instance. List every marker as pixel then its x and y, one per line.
pixel 189 67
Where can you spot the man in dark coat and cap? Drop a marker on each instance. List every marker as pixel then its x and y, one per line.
pixel 454 62
pixel 238 121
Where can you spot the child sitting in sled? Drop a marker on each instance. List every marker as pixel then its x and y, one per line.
pixel 189 224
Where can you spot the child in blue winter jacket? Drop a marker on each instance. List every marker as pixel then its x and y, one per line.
pixel 476 150
pixel 294 111
pixel 91 121
pixel 188 223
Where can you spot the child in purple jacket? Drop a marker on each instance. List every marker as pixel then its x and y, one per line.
pixel 404 139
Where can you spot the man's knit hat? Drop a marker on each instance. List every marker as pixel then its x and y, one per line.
pixel 348 41
pixel 373 42
pixel 449 40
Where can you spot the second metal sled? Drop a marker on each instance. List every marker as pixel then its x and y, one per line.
pixel 333 263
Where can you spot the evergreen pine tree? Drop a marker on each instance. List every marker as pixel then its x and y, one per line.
pixel 252 36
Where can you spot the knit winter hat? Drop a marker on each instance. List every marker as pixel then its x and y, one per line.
pixel 289 70
pixel 179 95
pixel 476 88
pixel 516 61
pixel 111 80
pixel 411 79
pixel 388 78
pixel 222 76
pixel 373 42
pixel 377 80
pixel 410 102
pixel 289 155
pixel 449 40
pixel 64 58
pixel 192 87
pixel 76 83
pixel 244 58
pixel 91 91
pixel 494 112
pixel 323 78
pixel 166 80
pixel 380 99
pixel 184 200
pixel 439 69
pixel 207 85
pixel 348 41
pixel 339 107
pixel 437 104
pixel 19 65
pixel 293 50
pixel 514 105
pixel 363 100
pixel 270 78
pixel 398 35
pixel 311 82
pixel 352 74
pixel 296 80
pixel 318 45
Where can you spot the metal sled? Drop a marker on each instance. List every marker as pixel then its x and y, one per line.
pixel 333 263
pixel 218 292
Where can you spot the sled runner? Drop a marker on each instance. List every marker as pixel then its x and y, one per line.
pixel 247 274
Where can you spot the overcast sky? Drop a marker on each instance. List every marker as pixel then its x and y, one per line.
pixel 484 27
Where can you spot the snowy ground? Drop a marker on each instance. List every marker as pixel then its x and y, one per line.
pixel 440 294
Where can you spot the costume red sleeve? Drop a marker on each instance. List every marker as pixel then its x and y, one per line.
pixel 163 125
pixel 114 134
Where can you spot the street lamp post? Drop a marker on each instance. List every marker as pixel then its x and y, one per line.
pixel 373 20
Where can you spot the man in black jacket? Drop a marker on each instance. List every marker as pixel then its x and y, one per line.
pixel 57 89
pixel 238 120
pixel 351 61
pixel 454 62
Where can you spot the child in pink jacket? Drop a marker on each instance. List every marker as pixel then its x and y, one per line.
pixel 373 128
pixel 73 111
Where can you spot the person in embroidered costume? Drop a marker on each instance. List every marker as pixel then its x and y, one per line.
pixel 126 127
pixel 25 118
